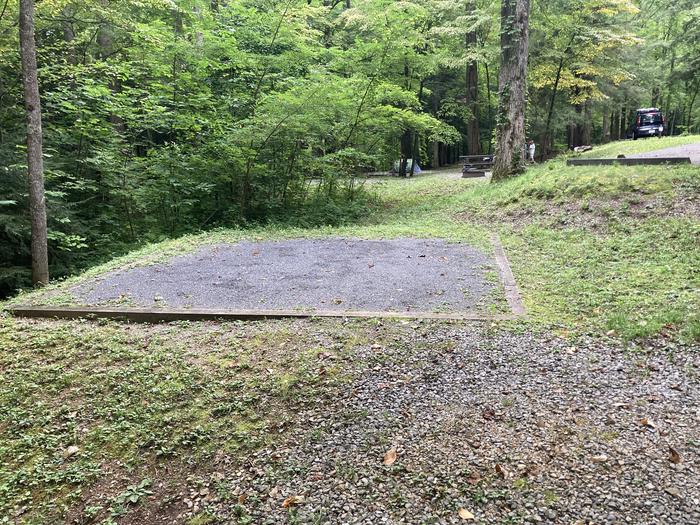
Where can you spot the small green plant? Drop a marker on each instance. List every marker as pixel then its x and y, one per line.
pixel 520 483
pixel 204 518
pixel 133 493
pixel 550 497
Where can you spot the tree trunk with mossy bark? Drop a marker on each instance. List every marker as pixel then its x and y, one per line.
pixel 472 90
pixel 512 85
pixel 35 159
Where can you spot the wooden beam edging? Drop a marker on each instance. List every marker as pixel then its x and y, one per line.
pixel 511 290
pixel 158 315
pixel 631 161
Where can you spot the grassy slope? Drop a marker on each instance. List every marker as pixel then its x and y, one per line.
pixel 592 249
pixel 146 405
pixel 604 249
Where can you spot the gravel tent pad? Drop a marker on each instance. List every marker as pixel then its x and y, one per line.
pixel 402 275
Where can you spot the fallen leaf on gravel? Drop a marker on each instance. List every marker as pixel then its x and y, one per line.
pixel 488 413
pixel 673 491
pixel 501 471
pixel 674 456
pixel 292 500
pixel 242 498
pixel 465 514
pixel 390 457
pixel 646 422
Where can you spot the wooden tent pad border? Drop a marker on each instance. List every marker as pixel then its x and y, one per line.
pixel 159 315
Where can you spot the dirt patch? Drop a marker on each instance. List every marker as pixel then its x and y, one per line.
pixel 158 495
pixel 594 215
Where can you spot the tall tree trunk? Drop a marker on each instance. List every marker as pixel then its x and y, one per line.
pixel 691 106
pixel 490 106
pixel 406 152
pixel 672 124
pixel 512 87
pixel 435 97
pixel 606 124
pixel 415 153
pixel 571 132
pixel 655 94
pixel 35 160
pixel 415 147
pixel 587 124
pixel 436 156
pixel 472 87
pixel 623 121
pixel 69 37
pixel 547 140
pixel 105 40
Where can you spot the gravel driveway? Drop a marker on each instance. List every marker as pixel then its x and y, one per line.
pixel 689 150
pixel 325 274
pixel 511 428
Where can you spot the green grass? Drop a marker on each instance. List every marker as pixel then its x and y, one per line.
pixel 627 268
pixel 134 397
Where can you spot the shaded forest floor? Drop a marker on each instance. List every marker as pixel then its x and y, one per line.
pixel 586 412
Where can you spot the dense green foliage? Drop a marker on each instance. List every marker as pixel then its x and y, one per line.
pixel 172 116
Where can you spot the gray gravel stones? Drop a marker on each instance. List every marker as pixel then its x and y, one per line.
pixel 324 274
pixel 515 428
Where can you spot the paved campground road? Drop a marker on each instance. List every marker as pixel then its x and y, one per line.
pixel 689 150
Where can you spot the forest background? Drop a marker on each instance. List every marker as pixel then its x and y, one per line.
pixel 166 117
